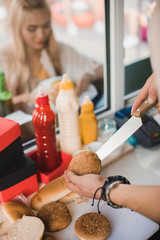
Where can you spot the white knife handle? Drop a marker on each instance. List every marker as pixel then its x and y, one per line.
pixel 144 107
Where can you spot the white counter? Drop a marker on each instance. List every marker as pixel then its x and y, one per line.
pixel 141 167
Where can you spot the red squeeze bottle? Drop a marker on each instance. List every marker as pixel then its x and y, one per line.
pixel 43 119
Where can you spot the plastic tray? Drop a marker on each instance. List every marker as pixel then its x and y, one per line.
pixel 45 177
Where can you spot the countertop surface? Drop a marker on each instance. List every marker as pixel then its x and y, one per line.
pixel 141 167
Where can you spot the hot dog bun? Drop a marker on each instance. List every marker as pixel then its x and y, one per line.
pixel 69 198
pixel 51 192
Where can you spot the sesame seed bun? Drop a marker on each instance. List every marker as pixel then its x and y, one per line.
pixel 55 216
pixel 48 236
pixel 85 162
pixel 92 226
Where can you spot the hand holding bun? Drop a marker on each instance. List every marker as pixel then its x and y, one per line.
pixel 85 162
pixel 77 184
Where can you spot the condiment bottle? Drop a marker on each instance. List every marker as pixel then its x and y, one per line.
pixel 88 122
pixel 67 106
pixel 43 119
pixel 6 106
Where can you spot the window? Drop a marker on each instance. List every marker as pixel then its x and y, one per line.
pixel 90 37
pixel 84 25
pixel 137 15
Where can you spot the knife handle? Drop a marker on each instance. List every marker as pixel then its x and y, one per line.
pixel 144 107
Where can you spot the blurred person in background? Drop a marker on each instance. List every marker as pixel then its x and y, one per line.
pixel 33 54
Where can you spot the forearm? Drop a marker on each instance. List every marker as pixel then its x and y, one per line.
pixel 142 199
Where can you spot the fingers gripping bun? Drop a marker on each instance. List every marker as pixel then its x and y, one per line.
pixel 85 162
pixel 55 216
pixel 92 226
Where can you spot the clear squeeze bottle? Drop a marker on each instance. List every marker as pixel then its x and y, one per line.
pixel 88 122
pixel 67 106
pixel 43 119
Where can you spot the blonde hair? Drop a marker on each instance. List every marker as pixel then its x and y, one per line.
pixel 17 13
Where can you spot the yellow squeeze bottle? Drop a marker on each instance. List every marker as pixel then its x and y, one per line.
pixel 88 123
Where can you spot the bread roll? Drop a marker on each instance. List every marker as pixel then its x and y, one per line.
pixel 13 210
pixel 2 216
pixel 4 227
pixel 92 226
pixel 55 216
pixel 48 237
pixel 5 237
pixel 69 198
pixel 85 162
pixel 52 191
pixel 27 228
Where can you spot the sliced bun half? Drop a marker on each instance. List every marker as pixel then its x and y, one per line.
pixel 4 227
pixel 27 228
pixel 52 191
pixel 13 210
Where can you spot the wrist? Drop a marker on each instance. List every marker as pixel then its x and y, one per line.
pixel 110 186
pixel 116 194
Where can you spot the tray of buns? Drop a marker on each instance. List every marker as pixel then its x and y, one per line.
pixel 18 220
pixel 56 211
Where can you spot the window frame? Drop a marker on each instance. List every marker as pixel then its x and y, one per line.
pixel 116 62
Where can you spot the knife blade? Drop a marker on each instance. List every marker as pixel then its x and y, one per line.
pixel 128 128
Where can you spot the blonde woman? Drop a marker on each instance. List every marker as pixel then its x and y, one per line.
pixel 33 54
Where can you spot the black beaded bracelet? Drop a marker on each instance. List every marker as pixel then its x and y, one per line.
pixel 109 184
